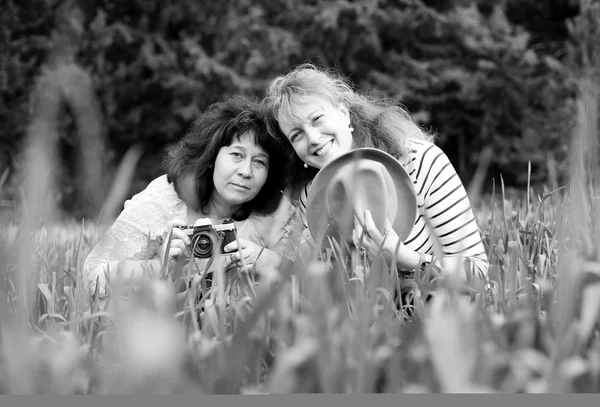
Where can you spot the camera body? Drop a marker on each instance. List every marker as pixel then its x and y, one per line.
pixel 207 238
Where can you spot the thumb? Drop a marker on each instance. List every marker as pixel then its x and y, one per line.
pixel 175 222
pixel 371 228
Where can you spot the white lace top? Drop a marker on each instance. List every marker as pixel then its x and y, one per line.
pixel 145 217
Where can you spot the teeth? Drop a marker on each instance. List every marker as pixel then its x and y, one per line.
pixel 324 149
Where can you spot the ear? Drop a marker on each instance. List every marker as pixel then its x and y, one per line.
pixel 344 110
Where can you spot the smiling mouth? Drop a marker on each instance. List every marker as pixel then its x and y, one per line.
pixel 323 150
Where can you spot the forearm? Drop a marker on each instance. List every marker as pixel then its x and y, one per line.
pixel 270 258
pixel 470 271
pixel 407 259
pixel 128 270
pixel 135 270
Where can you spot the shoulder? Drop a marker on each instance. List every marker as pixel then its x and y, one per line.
pixel 160 183
pixel 159 192
pixel 157 187
pixel 267 226
pixel 284 211
pixel 424 154
pixel 422 148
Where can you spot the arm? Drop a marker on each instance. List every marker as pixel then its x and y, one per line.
pixel 447 217
pixel 128 249
pixel 285 235
pixel 269 240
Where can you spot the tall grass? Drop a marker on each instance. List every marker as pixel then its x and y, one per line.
pixel 329 333
pixel 534 331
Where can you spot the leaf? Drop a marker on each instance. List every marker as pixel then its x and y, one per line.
pixel 451 337
pixel 230 378
pixel 45 290
pixel 165 260
pixel 553 63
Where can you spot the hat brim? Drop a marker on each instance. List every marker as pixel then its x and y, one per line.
pixel 317 213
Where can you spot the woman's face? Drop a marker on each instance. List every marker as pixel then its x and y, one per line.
pixel 319 131
pixel 240 171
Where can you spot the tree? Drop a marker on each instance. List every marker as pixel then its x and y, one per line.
pixel 478 72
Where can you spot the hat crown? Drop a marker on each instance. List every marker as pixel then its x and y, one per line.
pixel 360 186
pixel 362 179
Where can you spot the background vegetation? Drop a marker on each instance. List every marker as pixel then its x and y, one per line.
pixel 480 73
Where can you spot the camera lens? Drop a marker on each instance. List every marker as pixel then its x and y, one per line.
pixel 202 245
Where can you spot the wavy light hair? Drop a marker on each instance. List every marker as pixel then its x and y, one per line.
pixel 378 122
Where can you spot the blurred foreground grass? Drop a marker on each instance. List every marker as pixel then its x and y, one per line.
pixel 329 334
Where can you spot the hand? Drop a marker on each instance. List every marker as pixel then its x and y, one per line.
pixel 252 254
pixel 179 249
pixel 371 239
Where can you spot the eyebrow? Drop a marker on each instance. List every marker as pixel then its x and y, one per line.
pixel 265 155
pixel 309 115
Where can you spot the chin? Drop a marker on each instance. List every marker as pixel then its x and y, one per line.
pixel 242 201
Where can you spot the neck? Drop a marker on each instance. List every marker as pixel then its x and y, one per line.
pixel 220 210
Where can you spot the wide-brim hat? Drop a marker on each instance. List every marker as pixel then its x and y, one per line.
pixel 362 179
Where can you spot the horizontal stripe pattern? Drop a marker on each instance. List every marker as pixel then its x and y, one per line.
pixel 442 200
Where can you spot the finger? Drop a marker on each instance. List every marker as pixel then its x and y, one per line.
pixel 358 238
pixel 176 222
pixel 235 245
pixel 233 258
pixel 389 229
pixel 389 233
pixel 231 247
pixel 241 260
pixel 246 269
pixel 364 244
pixel 180 234
pixel 179 244
pixel 361 233
pixel 237 257
pixel 175 252
pixel 371 228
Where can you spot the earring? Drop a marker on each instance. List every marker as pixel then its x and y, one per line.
pixel 305 165
pixel 351 128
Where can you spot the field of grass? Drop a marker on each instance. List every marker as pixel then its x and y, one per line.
pixel 535 331
pixel 531 329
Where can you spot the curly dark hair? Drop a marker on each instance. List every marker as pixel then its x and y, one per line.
pixel 221 124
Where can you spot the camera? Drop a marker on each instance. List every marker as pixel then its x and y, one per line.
pixel 205 236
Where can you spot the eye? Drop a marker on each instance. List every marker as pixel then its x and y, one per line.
pixel 261 163
pixel 316 118
pixel 297 136
pixel 237 155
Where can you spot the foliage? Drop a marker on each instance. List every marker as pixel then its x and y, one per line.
pixel 477 72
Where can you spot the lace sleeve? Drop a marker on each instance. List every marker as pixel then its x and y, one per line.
pixel 280 231
pixel 144 217
pixel 291 232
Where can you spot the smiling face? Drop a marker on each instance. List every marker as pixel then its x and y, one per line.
pixel 318 130
pixel 240 171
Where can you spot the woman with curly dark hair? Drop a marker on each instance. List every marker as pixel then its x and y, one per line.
pixel 226 168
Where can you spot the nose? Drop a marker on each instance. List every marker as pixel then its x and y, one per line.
pixel 245 168
pixel 312 135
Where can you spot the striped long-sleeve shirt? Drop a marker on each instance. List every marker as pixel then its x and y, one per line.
pixel 442 201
